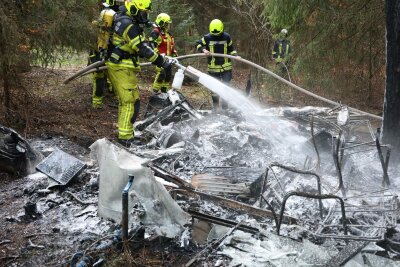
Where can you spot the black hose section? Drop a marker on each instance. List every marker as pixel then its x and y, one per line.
pixel 307 195
pixel 292 169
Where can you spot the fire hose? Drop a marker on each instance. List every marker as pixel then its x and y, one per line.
pixel 89 69
pixel 100 66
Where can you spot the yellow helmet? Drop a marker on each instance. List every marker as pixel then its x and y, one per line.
pixel 134 6
pixel 163 19
pixel 111 3
pixel 216 27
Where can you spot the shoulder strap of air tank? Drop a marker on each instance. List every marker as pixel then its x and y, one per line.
pixel 121 22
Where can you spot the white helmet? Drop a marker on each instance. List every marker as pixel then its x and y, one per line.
pixel 284 31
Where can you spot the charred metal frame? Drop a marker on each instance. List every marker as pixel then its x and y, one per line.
pixel 314 143
pixel 337 160
pixel 338 151
pixel 390 207
pixel 292 169
pixel 386 208
pixel 319 197
pixel 143 125
pixel 340 147
pixel 391 243
pixel 164 112
pixel 384 164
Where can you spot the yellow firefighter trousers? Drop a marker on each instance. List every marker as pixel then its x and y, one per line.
pixel 160 85
pixel 99 84
pixel 125 85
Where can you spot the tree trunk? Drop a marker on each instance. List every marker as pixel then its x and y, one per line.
pixel 4 74
pixel 391 112
pixel 7 92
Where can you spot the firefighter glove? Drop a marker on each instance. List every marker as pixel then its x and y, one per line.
pixel 167 69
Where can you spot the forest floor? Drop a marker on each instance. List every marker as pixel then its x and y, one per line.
pixel 54 110
pixel 62 116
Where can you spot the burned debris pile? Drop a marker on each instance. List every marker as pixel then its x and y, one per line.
pixel 16 155
pixel 272 187
pixel 315 174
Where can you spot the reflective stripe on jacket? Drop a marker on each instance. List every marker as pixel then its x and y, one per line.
pixel 128 40
pixel 221 44
pixel 281 50
pixel 164 42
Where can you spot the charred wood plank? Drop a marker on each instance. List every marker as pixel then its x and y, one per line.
pixel 239 206
pixel 169 177
pixel 223 222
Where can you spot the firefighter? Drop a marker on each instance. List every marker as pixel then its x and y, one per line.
pixel 100 83
pixel 162 41
pixel 282 48
pixel 218 41
pixel 128 43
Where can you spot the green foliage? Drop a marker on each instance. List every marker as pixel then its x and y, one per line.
pixel 340 42
pixel 243 20
pixel 34 30
pixel 39 31
pixel 338 45
pixel 182 16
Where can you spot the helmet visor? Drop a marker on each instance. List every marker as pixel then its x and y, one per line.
pixel 216 32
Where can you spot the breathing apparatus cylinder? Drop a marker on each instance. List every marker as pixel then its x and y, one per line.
pixel 106 21
pixel 178 80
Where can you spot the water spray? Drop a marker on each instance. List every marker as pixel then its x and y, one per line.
pixel 236 98
pixel 100 66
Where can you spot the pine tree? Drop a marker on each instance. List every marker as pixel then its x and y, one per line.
pixel 34 31
pixel 339 45
pixel 182 17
